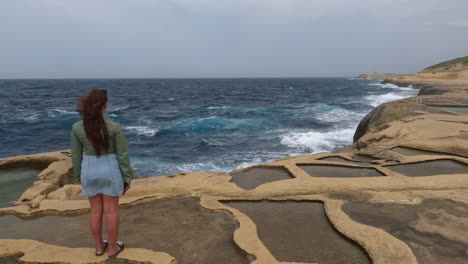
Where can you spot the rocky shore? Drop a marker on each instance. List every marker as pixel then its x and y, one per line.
pixel 398 194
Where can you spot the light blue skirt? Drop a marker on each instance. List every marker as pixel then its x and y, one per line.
pixel 101 175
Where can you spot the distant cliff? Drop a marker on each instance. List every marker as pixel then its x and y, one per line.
pixel 451 65
pixel 456 70
pixel 379 75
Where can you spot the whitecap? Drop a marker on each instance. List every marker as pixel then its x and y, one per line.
pixel 64 111
pixel 339 115
pixel 225 108
pixel 376 100
pixel 394 86
pixel 142 130
pixel 315 141
pixel 312 109
pixel 218 107
pixel 34 116
pixel 409 88
pixel 55 112
pixel 201 166
pixel 214 123
pixel 389 85
pixel 253 161
pixel 118 108
pixel 163 167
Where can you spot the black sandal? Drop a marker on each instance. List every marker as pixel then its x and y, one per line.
pixel 104 250
pixel 121 246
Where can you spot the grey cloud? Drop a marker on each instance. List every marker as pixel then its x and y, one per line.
pixel 224 38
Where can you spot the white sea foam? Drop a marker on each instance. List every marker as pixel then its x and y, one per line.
pixel 217 107
pixel 338 115
pixel 314 141
pixel 393 86
pixel 201 166
pixel 59 112
pixel 224 163
pixel 375 100
pixel 55 112
pixel 397 93
pixel 64 111
pixel 34 116
pixel 142 130
pixel 117 108
pixel 388 85
pixel 254 161
pixel 347 120
pixel 409 88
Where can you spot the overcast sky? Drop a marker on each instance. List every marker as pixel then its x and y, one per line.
pixel 224 38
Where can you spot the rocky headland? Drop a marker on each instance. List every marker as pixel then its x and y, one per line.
pixel 398 194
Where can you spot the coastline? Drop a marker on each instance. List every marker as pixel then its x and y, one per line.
pixel 431 105
pixel 388 141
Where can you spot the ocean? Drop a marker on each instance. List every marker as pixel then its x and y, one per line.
pixel 182 125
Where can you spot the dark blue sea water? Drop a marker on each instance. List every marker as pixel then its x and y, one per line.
pixel 179 125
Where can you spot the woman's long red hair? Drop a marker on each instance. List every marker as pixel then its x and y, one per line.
pixel 90 109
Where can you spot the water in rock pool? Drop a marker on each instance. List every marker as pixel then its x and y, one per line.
pixel 13 182
pixel 180 125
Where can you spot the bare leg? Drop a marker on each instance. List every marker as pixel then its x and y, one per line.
pixel 111 209
pixel 95 220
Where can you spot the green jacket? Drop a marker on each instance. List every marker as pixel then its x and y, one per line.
pixel 117 145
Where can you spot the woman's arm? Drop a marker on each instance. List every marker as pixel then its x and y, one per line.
pixel 77 155
pixel 121 149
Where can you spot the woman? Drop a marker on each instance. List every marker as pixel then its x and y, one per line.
pixel 104 171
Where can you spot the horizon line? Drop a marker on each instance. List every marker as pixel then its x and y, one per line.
pixel 116 78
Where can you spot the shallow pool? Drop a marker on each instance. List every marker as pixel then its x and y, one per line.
pixel 13 182
pixel 455 109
